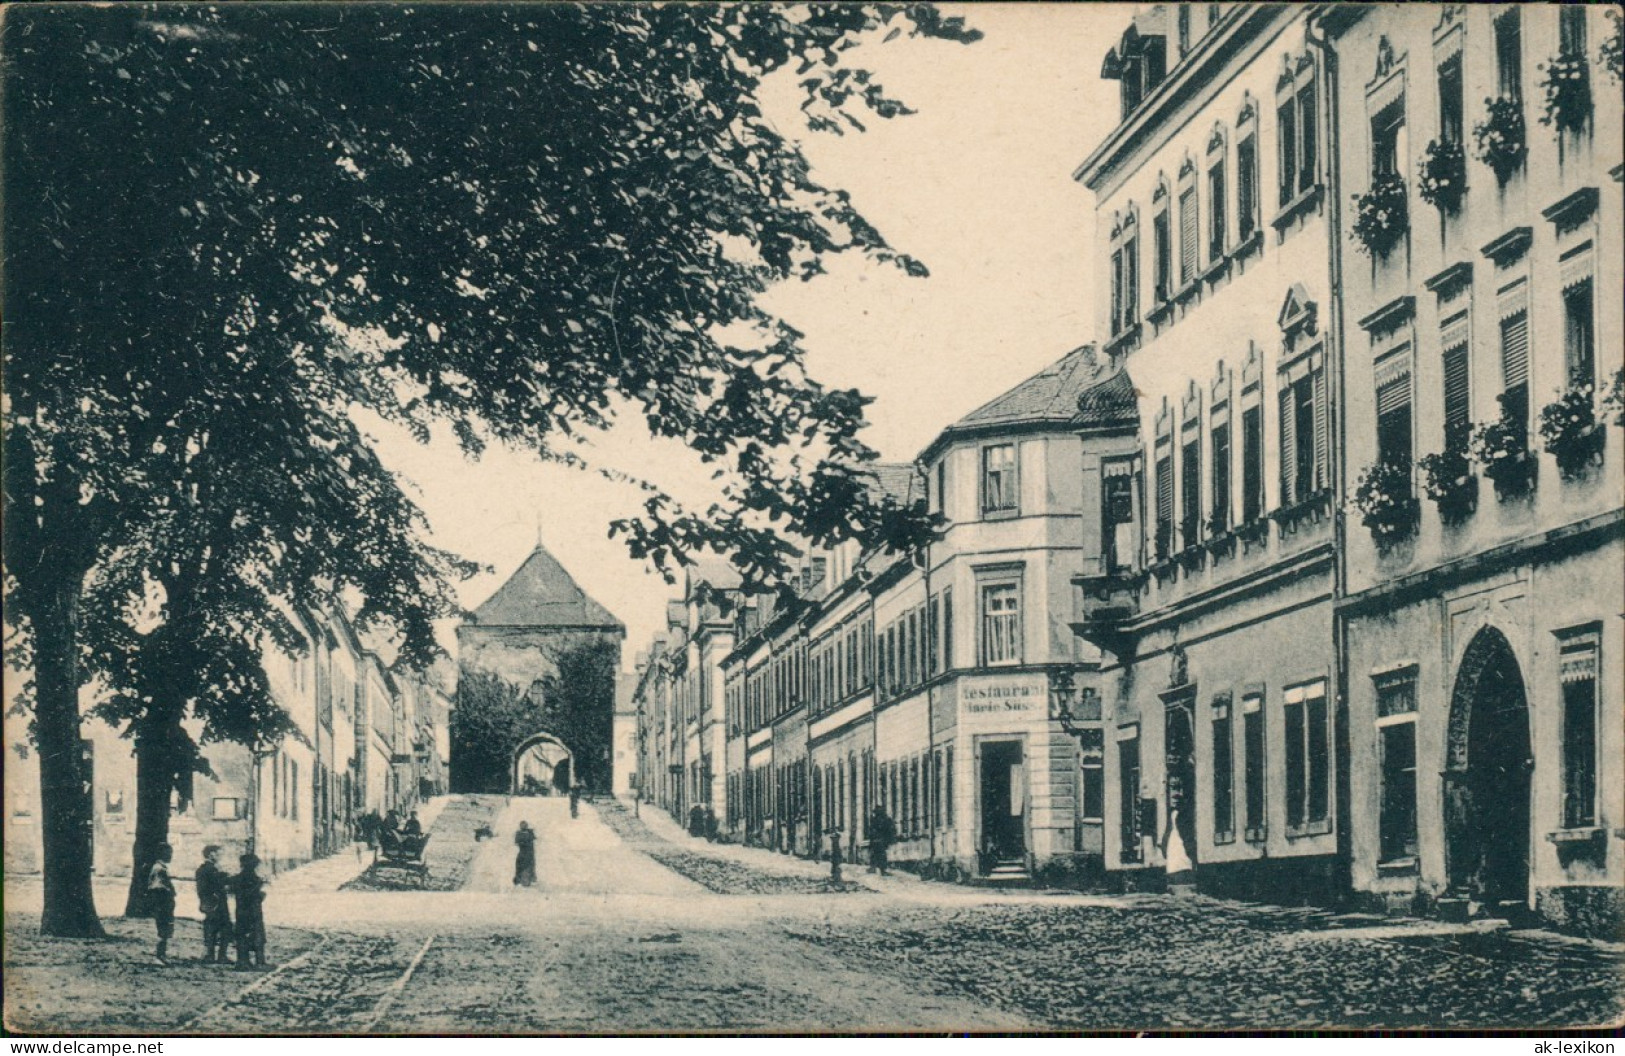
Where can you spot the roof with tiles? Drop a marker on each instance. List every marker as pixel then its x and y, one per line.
pixel 542 594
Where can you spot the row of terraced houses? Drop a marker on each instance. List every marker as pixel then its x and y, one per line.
pixel 1304 582
pixel 366 735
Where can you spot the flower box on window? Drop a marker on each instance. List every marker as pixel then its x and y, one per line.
pixel 1441 179
pixel 1567 83
pixel 1501 448
pixel 1500 138
pixel 1381 214
pixel 1382 497
pixel 1570 430
pixel 1447 479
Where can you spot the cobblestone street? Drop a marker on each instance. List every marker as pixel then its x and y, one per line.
pixel 635 927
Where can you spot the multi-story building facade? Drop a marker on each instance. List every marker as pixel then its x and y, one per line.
pixel 1483 552
pixel 289 802
pixel 1213 597
pixel 871 684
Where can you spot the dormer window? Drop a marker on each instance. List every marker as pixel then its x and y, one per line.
pixel 1139 62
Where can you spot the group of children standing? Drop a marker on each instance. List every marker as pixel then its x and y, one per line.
pixel 215 888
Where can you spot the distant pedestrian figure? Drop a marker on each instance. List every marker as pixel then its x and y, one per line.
pixel 575 800
pixel 881 834
pixel 161 901
pixel 524 868
pixel 249 887
pixel 834 855
pixel 413 826
pixel 213 884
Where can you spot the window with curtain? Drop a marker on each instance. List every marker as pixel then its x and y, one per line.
pixel 1393 382
pixel 1451 108
pixel 1001 623
pixel 1579 336
pixel 999 483
pixel 1117 515
pixel 1307 734
pixel 1509 53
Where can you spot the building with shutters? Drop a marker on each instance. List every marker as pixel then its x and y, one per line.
pixel 1212 601
pixel 1483 550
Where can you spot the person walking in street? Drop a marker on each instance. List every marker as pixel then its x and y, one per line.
pixel 212 886
pixel 249 887
pixel 161 901
pixel 881 834
pixel 524 867
pixel 575 800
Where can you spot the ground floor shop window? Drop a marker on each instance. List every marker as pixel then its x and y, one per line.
pixel 1577 664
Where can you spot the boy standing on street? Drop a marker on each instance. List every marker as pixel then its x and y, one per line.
pixel 250 890
pixel 212 884
pixel 161 901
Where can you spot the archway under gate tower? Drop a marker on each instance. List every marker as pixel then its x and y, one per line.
pixel 542 764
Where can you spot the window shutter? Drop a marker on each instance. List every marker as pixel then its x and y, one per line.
pixel 1323 447
pixel 1289 447
pixel 1187 236
pixel 1457 410
pixel 1515 349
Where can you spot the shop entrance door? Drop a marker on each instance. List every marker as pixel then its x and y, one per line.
pixel 1004 801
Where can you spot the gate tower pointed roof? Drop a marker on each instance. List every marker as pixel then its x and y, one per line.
pixel 541 593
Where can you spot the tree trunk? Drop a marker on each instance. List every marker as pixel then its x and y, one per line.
pixel 157 737
pixel 65 784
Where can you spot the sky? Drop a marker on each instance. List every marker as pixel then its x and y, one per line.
pixel 976 184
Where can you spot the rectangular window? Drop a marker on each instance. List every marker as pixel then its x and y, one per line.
pixel 1308 146
pixel 941 494
pixel 999 484
pixel 1246 188
pixel 948 629
pixel 1165 506
pixel 1577 667
pixel 1396 726
pixel 1224 819
pixel 1163 244
pixel 1131 282
pixel 1515 366
pixel 1302 447
pixel 933 645
pixel 1128 796
pixel 1393 374
pixel 1252 746
pixel 1190 521
pixel 1092 774
pixel 1509 54
pixel 1571 31
pixel 1118 313
pixel 1216 217
pixel 1117 516
pixel 1189 229
pixel 1252 463
pixel 1221 477
pixel 1450 100
pixel 1579 341
pixel 1287 129
pixel 1001 624
pixel 1386 128
pixel 1307 755
pixel 1457 382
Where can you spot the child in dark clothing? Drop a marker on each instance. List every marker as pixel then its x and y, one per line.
pixel 161 901
pixel 213 883
pixel 249 887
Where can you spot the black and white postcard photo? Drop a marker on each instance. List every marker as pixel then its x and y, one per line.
pixel 628 519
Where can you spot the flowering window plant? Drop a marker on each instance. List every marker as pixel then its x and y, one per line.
pixel 1501 448
pixel 1441 179
pixel 1500 139
pixel 1381 216
pixel 1447 479
pixel 1567 83
pixel 1382 497
pixel 1568 429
